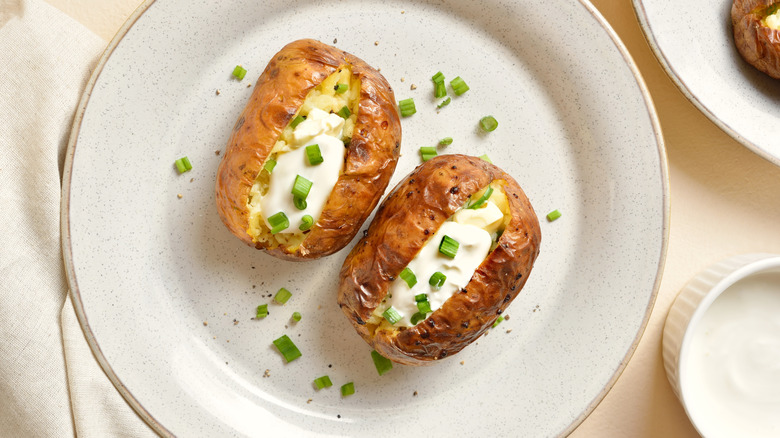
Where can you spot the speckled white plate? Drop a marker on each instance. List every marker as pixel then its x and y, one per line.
pixel 694 42
pixel 147 270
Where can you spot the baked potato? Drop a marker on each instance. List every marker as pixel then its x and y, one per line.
pixel 757 33
pixel 391 287
pixel 311 153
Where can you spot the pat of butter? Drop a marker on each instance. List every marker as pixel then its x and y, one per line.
pixel 488 218
pixel 318 122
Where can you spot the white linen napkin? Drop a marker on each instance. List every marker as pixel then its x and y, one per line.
pixel 50 383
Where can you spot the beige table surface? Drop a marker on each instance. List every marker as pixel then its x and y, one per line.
pixel 725 201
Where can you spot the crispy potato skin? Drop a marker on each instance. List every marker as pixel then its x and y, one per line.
pixel 412 213
pixel 371 156
pixel 759 45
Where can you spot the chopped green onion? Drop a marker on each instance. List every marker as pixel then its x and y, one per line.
pixel 437 280
pixel 420 297
pixel 498 321
pixel 287 348
pixel 417 317
pixel 341 88
pixel 439 90
pixel 278 222
pixel 314 154
pixel 444 103
pixel 299 203
pixel 484 157
pixel 553 215
pixel 344 112
pixel 296 121
pixel 408 276
pixel 262 311
pixel 482 199
pixel 323 382
pixel 239 72
pixel 428 152
pixel 183 164
pixel 446 141
pixel 459 86
pixel 269 165
pixel 392 315
pixel 488 123
pixel 347 389
pixel 424 306
pixel 381 363
pixel 306 222
pixel 296 316
pixel 407 107
pixel 282 296
pixel 301 187
pixel 438 77
pixel 449 246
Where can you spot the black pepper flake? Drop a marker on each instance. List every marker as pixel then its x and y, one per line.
pixel 426 232
pixel 330 365
pixel 507 298
pixel 519 276
pixel 365 232
pixel 454 167
pixel 498 312
pixel 431 322
pixel 360 320
pixel 430 217
pixel 338 416
pixel 454 190
pixel 465 324
pixel 414 394
pixel 458 335
pixel 443 354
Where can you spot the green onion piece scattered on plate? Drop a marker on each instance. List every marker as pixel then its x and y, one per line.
pixel 407 107
pixel 296 316
pixel 420 297
pixel 449 246
pixel 262 311
pixel 183 164
pixel 408 276
pixel 278 222
pixel 446 141
pixel 391 315
pixel 444 103
pixel 488 123
pixel 484 157
pixel 323 382
pixel 282 296
pixel 459 86
pixel 381 363
pixel 347 389
pixel 428 152
pixel 438 77
pixel 239 72
pixel 553 215
pixel 439 90
pixel 498 321
pixel 288 349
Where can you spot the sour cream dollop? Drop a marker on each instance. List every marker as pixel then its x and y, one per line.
pixel 324 130
pixel 472 230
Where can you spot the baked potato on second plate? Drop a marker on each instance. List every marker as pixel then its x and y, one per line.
pixel 448 250
pixel 311 153
pixel 757 33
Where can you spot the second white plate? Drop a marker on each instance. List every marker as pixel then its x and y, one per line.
pixel 694 42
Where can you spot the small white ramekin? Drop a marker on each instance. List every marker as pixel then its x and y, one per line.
pixel 691 304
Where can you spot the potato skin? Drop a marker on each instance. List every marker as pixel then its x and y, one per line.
pixel 757 44
pixel 413 212
pixel 371 157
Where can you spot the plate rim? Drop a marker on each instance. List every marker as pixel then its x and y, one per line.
pixel 660 56
pixel 157 426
